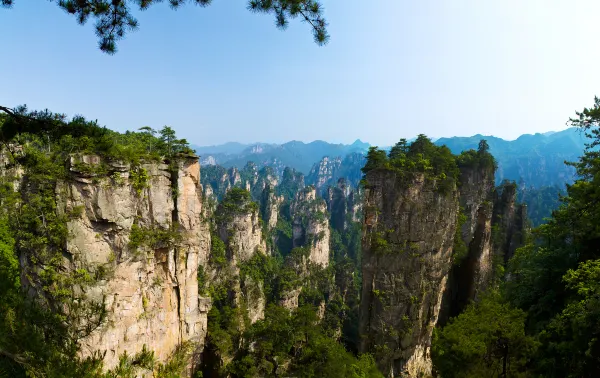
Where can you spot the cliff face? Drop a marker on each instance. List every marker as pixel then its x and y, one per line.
pixel 329 170
pixel 149 289
pixel 472 271
pixel 426 255
pixel 509 221
pixel 310 228
pixel 242 235
pixel 270 204
pixel 323 172
pixel 238 225
pixel 7 167
pixel 344 204
pixel 407 252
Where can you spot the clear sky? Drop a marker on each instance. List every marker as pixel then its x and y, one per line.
pixel 392 69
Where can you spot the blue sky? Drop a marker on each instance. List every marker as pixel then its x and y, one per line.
pixel 392 69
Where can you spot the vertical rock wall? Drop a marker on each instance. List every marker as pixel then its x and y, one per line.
pixel 150 292
pixel 241 231
pixel 407 250
pixel 310 227
pixel 471 273
pixel 509 220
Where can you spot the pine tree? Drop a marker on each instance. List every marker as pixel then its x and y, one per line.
pixel 114 18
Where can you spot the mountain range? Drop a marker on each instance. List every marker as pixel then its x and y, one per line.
pixel 532 160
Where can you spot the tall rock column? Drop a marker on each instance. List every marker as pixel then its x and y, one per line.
pixel 310 226
pixel 238 225
pixel 143 246
pixel 509 221
pixel 408 236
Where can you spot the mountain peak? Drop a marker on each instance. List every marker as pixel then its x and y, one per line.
pixel 360 144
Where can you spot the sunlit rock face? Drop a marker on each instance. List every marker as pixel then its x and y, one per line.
pixel 149 291
pixel 310 226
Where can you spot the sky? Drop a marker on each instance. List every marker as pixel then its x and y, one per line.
pixel 392 69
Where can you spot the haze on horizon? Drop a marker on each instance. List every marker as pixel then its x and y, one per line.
pixel 392 69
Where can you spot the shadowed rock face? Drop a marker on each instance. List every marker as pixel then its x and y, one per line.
pixel 344 203
pixel 150 292
pixel 510 221
pixel 412 281
pixel 471 275
pixel 407 252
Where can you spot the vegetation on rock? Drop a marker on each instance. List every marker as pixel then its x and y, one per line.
pixel 39 334
pixel 544 321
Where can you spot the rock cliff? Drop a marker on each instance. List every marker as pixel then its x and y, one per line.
pixel 344 204
pixel 509 219
pixel 270 206
pixel 143 244
pixel 239 227
pixel 472 267
pixel 329 170
pixel 426 254
pixel 323 172
pixel 310 227
pixel 407 254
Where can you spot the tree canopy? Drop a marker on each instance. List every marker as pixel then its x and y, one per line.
pixel 114 18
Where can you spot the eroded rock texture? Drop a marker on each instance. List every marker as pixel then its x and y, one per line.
pixel 407 252
pixel 310 227
pixel 509 220
pixel 150 291
pixel 344 203
pixel 240 228
pixel 471 273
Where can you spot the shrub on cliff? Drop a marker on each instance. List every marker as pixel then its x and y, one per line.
pixel 421 156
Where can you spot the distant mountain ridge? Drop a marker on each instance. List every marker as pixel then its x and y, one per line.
pixel 532 160
pixel 294 154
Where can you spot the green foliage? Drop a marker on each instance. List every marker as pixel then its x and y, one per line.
pixel 260 268
pixel 9 265
pixel 487 340
pixel 480 159
pixel 114 18
pixel 53 133
pixel 139 179
pixel 541 202
pixel 459 248
pixel 421 156
pixel 379 243
pixel 237 201
pixel 376 159
pixel 218 256
pixel 299 339
pixel 153 238
pixel 576 328
pixel 554 276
